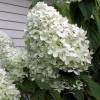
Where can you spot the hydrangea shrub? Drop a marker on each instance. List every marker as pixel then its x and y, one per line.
pixel 11 58
pixel 8 91
pixel 55 44
pixel 55 63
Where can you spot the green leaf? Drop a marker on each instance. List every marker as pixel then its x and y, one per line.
pixel 28 86
pixel 93 34
pixel 63 8
pixel 43 85
pixel 68 95
pixel 86 8
pixel 55 95
pixel 78 94
pixel 91 98
pixel 96 14
pixel 48 97
pixel 93 87
pixel 76 17
pixel 98 3
pixel 39 95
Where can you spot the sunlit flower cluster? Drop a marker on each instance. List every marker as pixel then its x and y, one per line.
pixel 12 59
pixel 8 90
pixel 54 44
pixel 15 62
pixel 5 41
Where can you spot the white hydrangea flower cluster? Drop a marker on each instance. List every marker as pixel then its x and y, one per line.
pixel 5 41
pixel 56 44
pixel 8 90
pixel 15 62
pixel 12 59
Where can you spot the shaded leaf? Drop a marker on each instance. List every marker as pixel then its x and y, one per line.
pixel 39 95
pixel 68 96
pixel 43 85
pixel 76 14
pixel 91 98
pixel 28 86
pixel 78 94
pixel 96 14
pixel 86 8
pixel 93 34
pixel 93 87
pixel 55 95
pixel 63 8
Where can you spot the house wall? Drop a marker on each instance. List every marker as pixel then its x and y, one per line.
pixel 13 17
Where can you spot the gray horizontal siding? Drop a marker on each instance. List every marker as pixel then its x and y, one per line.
pixel 13 19
pixel 22 3
pixel 19 42
pixel 14 33
pixel 13 9
pixel 12 25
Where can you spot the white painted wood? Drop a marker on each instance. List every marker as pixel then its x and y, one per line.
pixel 12 12
pixel 25 3
pixel 11 25
pixel 13 9
pixel 19 42
pixel 12 17
pixel 16 11
pixel 14 34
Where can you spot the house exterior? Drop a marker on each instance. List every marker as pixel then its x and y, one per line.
pixel 13 17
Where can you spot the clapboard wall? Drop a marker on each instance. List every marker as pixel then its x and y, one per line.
pixel 13 17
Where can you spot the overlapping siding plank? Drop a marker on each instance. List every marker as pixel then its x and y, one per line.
pixel 24 3
pixel 14 33
pixel 19 42
pixel 13 17
pixel 13 9
pixel 12 25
